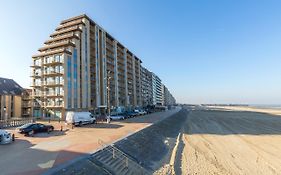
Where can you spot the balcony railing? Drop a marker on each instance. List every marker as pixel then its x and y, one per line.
pixel 53 73
pixel 36 74
pixel 53 62
pixel 36 84
pixel 26 105
pixel 36 65
pixel 53 83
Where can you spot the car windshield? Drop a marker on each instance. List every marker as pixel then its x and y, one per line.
pixel 26 125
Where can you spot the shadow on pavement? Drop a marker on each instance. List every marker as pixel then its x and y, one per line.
pixel 111 125
pixel 23 158
pixel 51 134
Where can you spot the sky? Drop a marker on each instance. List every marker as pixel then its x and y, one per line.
pixel 205 51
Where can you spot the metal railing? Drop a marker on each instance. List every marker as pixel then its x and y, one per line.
pixel 15 122
pixel 117 153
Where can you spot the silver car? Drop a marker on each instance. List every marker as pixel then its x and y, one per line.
pixel 5 137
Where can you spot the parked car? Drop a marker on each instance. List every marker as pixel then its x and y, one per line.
pixel 79 118
pixel 117 117
pixel 33 128
pixel 5 137
pixel 131 113
pixel 126 115
pixel 142 112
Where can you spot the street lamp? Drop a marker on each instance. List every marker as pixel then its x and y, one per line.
pixel 108 91
pixel 5 113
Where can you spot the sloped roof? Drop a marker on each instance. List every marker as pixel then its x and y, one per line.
pixel 9 87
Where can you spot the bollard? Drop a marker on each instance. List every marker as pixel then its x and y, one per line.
pixel 49 120
pixel 61 128
pixel 72 126
pixel 13 137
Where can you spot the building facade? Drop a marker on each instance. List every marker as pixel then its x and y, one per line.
pixel 82 67
pixel 10 99
pixel 146 84
pixel 169 100
pixel 157 90
pixel 26 103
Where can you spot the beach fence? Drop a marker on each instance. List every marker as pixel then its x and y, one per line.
pixel 15 122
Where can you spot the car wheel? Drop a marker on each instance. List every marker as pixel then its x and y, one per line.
pixel 50 130
pixel 31 133
pixel 80 123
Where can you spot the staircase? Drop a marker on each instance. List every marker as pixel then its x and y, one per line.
pixel 117 162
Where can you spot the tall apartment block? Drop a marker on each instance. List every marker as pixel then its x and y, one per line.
pixel 146 84
pixel 157 90
pixel 82 67
pixel 168 97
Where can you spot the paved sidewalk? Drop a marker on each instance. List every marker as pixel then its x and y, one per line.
pixel 35 155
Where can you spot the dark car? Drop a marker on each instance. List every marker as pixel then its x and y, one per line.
pixel 33 128
pixel 130 114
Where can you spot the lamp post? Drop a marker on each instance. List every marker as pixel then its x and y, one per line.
pixel 5 113
pixel 108 92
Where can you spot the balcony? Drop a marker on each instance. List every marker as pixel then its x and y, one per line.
pixel 52 83
pixel 38 94
pixel 51 53
pixel 26 98
pixel 36 105
pixel 53 95
pixel 36 66
pixel 26 105
pixel 53 74
pixel 70 24
pixel 33 84
pixel 53 63
pixel 67 36
pixel 71 29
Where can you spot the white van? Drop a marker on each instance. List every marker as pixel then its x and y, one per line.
pixel 5 137
pixel 79 118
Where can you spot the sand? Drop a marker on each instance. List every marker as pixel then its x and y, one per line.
pixel 236 141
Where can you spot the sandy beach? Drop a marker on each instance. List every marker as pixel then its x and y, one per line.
pixel 231 140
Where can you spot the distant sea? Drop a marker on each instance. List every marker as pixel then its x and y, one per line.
pixel 268 106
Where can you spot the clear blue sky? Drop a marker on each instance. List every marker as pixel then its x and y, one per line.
pixel 212 51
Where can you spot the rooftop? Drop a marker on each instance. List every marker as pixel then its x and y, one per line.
pixel 9 87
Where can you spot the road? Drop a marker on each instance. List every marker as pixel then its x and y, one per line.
pixel 231 142
pixel 35 155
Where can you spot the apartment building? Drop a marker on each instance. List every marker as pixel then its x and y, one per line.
pixel 26 103
pixel 82 67
pixel 168 97
pixel 146 84
pixel 157 90
pixel 10 99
